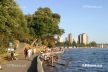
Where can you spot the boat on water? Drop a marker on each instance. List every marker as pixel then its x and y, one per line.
pixel 102 45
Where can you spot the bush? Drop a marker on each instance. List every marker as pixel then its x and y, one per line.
pixel 2 50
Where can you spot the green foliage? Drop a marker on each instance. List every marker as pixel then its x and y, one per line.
pixel 14 25
pixel 44 22
pixel 74 44
pixel 45 42
pixel 67 44
pixel 92 44
pixel 51 42
pixel 2 50
pixel 81 45
pixel 12 20
pixel 60 44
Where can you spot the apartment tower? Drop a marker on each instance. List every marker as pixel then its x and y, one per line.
pixel 83 38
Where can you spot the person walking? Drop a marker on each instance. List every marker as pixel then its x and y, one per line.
pixel 26 52
pixel 29 53
pixel 12 55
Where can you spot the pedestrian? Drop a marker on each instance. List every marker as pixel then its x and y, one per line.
pixel 26 52
pixel 29 53
pixel 12 55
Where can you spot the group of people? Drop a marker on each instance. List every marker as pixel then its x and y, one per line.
pixel 48 58
pixel 28 52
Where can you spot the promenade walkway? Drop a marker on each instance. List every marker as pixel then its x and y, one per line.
pixel 21 65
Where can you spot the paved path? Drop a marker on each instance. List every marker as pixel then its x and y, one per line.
pixel 21 65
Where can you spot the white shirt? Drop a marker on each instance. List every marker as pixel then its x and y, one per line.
pixel 29 52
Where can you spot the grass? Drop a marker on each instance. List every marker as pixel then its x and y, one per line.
pixel 2 58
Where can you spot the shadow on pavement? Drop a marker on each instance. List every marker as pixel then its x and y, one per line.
pixel 33 67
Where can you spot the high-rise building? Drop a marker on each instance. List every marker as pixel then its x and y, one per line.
pixel 80 38
pixel 60 39
pixel 83 38
pixel 70 38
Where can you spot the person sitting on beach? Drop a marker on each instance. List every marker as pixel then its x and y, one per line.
pixel 49 50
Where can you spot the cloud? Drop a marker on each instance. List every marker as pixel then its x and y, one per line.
pixel 92 6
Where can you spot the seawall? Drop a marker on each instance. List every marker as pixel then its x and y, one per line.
pixel 40 67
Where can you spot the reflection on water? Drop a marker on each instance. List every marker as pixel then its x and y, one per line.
pixel 83 60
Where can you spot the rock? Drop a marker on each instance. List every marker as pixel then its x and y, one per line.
pixel 62 62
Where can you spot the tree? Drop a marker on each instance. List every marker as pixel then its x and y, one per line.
pixel 74 44
pixel 13 24
pixel 45 22
pixel 81 45
pixel 92 44
pixel 67 44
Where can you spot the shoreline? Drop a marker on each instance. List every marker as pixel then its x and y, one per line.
pixel 45 66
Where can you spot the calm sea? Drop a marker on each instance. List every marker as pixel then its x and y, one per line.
pixel 83 60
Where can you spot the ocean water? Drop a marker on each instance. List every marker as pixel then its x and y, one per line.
pixel 83 60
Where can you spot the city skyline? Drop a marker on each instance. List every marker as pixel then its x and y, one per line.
pixel 81 38
pixel 85 16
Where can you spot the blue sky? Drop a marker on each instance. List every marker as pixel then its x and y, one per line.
pixel 77 16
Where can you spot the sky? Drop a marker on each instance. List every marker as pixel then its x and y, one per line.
pixel 77 16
